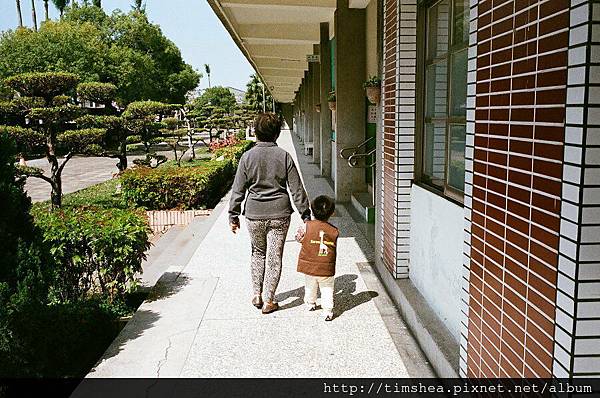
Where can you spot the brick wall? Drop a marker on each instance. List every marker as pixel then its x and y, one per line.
pixel 514 189
pixel 577 332
pixel 397 162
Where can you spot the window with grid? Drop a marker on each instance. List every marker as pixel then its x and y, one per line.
pixel 445 92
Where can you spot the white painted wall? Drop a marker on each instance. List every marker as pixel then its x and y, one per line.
pixel 371 42
pixel 436 245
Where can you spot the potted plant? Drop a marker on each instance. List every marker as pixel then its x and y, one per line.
pixel 373 89
pixel 331 101
pixel 318 108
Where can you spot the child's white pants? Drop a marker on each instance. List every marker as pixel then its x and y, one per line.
pixel 312 286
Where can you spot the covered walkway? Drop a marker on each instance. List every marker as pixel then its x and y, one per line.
pixel 199 322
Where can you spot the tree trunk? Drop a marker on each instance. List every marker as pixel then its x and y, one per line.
pixel 55 174
pixel 122 165
pixel 46 13
pixel 34 15
pixel 19 13
pixel 56 194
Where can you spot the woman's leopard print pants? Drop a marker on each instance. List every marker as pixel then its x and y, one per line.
pixel 267 238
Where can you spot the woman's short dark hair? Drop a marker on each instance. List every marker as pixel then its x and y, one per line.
pixel 267 127
pixel 323 207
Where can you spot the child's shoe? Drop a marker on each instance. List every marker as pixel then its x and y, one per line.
pixel 311 307
pixel 328 316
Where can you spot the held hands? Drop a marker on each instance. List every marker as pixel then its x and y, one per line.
pixel 300 234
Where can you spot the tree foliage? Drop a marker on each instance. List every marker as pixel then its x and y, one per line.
pixel 219 97
pixel 254 95
pixel 124 49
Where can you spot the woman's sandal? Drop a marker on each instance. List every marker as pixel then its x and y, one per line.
pixel 257 301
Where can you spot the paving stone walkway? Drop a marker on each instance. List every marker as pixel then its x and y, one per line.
pixel 199 322
pixel 81 172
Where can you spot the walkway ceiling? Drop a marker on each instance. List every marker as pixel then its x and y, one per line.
pixel 277 35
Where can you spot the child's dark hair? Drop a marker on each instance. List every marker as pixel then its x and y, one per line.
pixel 323 207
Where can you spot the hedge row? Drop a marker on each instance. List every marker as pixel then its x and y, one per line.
pixel 196 187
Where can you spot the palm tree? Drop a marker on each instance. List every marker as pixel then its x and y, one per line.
pixel 33 14
pixel 207 69
pixel 46 14
pixel 19 13
pixel 61 5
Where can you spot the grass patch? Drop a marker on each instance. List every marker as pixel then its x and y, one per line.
pixel 102 195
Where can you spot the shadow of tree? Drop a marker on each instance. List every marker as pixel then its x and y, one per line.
pixel 141 320
pixel 345 297
pixel 169 284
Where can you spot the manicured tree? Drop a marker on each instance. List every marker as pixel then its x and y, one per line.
pixel 143 119
pixel 108 117
pixel 54 120
pixel 173 136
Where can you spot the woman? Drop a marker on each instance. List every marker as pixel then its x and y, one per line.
pixel 265 172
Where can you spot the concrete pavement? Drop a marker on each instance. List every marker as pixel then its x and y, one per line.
pixel 199 322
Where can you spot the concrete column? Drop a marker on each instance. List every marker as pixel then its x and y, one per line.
pixel 309 107
pixel 301 112
pixel 325 87
pixel 350 69
pixel 288 114
pixel 316 95
pixel 304 106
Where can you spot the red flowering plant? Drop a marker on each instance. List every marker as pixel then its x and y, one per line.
pixel 223 143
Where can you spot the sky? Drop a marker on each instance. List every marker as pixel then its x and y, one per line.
pixel 190 24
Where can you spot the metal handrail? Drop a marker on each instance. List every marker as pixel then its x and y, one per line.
pixel 353 159
pixel 356 148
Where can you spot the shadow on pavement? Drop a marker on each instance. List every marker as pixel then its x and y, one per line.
pixel 344 297
pixel 169 284
pixel 141 321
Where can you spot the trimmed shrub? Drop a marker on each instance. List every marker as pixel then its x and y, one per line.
pixel 165 188
pixel 101 93
pixel 95 250
pixel 42 84
pixel 199 186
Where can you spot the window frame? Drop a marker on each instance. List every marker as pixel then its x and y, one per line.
pixel 423 63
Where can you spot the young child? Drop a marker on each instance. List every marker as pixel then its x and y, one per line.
pixel 318 254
